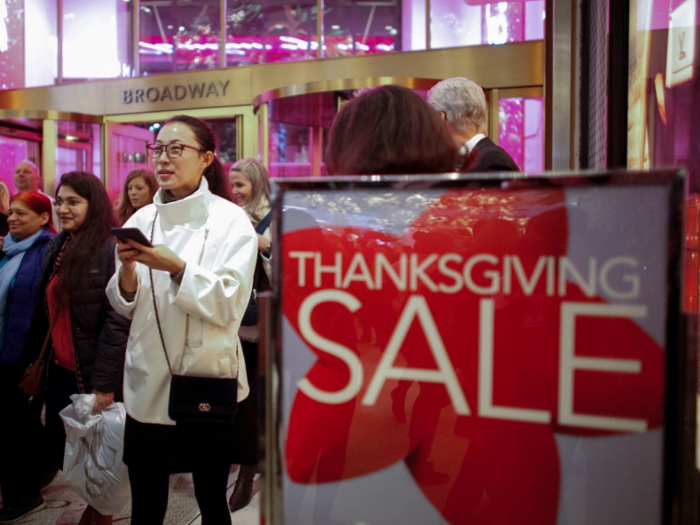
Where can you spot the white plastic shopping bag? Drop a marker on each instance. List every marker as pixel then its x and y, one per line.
pixel 92 465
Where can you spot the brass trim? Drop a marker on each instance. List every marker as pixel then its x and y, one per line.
pixel 264 136
pixel 50 114
pixel 48 155
pixel 248 131
pixel 320 31
pixel 342 84
pixel 508 66
pixel 59 36
pixel 223 17
pixel 203 113
pixel 105 155
pixel 239 137
pixel 428 31
pixel 494 99
pixel 526 92
pixel 559 51
pixel 316 150
pixel 135 36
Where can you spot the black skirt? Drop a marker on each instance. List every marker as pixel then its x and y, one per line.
pixel 187 447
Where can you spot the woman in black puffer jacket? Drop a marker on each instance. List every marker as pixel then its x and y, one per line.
pixel 88 338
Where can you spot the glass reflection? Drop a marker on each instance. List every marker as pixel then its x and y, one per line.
pixel 362 28
pixel 476 22
pixel 176 36
pixel 97 39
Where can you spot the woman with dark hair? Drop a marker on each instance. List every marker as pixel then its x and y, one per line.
pixel 87 337
pixel 31 228
pixel 139 188
pixel 186 297
pixel 389 129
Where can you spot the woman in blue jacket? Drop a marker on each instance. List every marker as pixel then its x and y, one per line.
pixel 31 228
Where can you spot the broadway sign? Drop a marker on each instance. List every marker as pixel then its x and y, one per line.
pixel 476 351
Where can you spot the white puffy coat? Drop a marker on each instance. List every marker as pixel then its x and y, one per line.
pixel 200 318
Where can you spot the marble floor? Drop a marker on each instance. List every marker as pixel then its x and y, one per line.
pixel 64 507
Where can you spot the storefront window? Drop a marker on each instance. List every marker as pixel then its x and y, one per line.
pixel 290 32
pixel 178 36
pixel 664 89
pixel 457 23
pixel 41 43
pixel 96 40
pixel 11 44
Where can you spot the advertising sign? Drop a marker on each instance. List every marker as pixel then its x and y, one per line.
pixel 475 351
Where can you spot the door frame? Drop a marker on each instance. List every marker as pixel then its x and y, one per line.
pixel 246 128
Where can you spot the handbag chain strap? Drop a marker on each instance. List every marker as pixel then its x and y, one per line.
pixel 155 307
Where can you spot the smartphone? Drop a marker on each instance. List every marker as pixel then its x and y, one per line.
pixel 131 233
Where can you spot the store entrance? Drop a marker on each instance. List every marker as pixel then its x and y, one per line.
pixel 126 138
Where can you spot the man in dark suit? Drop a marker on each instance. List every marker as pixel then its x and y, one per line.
pixel 462 104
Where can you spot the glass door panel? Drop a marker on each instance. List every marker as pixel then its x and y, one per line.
pixel 78 148
pixel 521 131
pixel 126 146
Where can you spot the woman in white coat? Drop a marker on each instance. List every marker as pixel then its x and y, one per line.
pixel 202 266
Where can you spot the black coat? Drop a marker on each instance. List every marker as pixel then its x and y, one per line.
pixel 487 156
pixel 99 333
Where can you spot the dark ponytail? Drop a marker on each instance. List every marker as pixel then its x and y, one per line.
pixel 214 173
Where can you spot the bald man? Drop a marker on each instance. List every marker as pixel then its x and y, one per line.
pixel 28 178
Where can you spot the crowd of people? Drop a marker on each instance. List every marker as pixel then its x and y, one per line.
pixel 132 320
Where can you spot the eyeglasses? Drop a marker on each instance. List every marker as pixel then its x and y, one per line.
pixel 71 203
pixel 173 151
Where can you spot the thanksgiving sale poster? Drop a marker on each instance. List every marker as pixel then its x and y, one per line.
pixel 478 356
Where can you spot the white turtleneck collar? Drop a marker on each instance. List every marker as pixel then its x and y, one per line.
pixel 185 209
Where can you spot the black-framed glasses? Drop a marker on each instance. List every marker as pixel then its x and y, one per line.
pixel 173 150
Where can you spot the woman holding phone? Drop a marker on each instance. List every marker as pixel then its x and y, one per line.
pixel 186 296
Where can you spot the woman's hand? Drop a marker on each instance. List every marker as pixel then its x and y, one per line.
pixel 160 257
pixel 263 242
pixel 128 280
pixel 103 400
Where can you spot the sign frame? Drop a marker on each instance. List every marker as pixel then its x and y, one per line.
pixel 680 483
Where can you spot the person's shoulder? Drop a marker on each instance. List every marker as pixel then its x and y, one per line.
pixel 229 217
pixel 45 237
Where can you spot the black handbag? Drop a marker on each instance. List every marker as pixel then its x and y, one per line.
pixel 260 281
pixel 195 399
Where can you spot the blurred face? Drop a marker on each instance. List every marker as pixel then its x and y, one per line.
pixel 71 208
pixel 26 177
pixel 182 174
pixel 139 193
pixel 24 222
pixel 242 188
